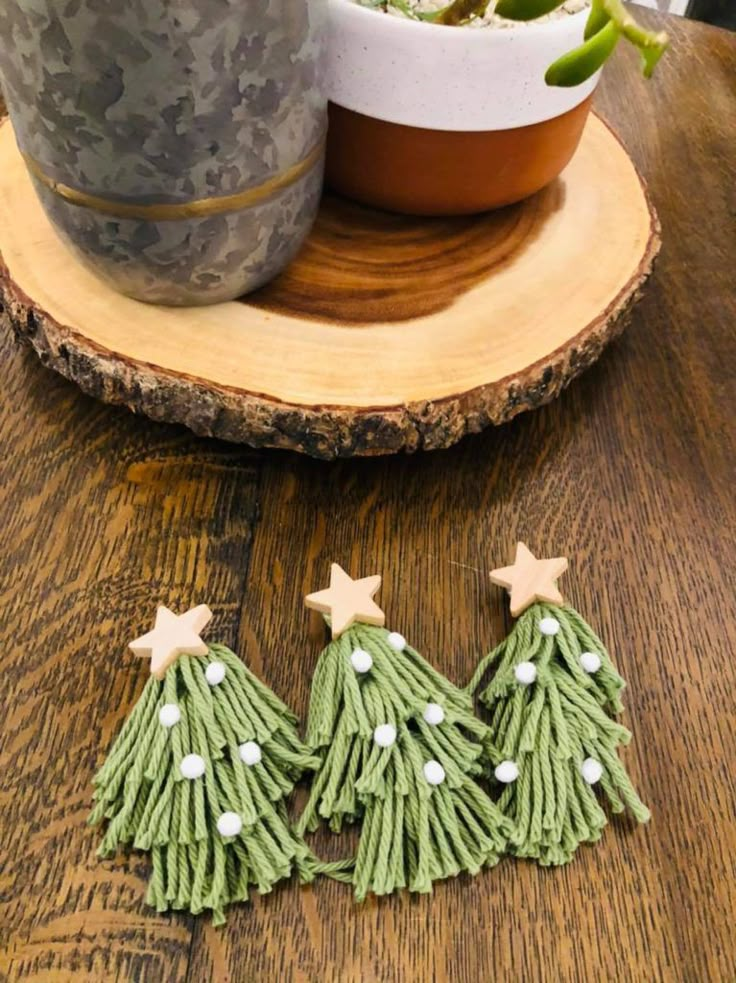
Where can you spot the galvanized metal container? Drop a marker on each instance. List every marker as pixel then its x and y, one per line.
pixel 176 145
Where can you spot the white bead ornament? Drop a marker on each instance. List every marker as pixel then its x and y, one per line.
pixel 361 660
pixel 549 626
pixel 434 773
pixel 590 661
pixel 526 673
pixel 507 772
pixel 591 770
pixel 229 824
pixel 384 735
pixel 169 715
pixel 192 766
pixel 433 714
pixel 396 641
pixel 214 673
pixel 250 753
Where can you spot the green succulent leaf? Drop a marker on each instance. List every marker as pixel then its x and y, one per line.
pixel 650 55
pixel 651 44
pixel 608 20
pixel 597 19
pixel 525 9
pixel 579 64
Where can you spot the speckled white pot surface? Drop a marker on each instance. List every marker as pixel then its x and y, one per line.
pixel 448 78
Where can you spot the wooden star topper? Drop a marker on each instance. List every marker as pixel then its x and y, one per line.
pixel 529 580
pixel 347 601
pixel 172 635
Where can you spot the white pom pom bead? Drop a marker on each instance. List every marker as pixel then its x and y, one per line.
pixel 549 626
pixel 214 673
pixel 526 673
pixel 590 661
pixel 250 753
pixel 396 641
pixel 229 824
pixel 591 770
pixel 169 715
pixel 433 714
pixel 507 772
pixel 384 735
pixel 434 773
pixel 192 766
pixel 361 660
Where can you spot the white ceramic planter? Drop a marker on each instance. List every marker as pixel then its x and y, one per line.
pixel 390 77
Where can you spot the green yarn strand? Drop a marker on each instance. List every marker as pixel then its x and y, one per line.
pixel 149 803
pixel 556 732
pixel 413 832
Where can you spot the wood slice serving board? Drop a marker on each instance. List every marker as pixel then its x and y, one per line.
pixel 388 333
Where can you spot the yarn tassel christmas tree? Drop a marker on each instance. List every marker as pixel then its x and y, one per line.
pixel 400 747
pixel 199 773
pixel 551 695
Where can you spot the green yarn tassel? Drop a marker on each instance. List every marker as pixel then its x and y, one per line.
pixel 214 836
pixel 400 746
pixel 553 688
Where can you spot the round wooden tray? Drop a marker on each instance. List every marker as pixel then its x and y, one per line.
pixel 388 333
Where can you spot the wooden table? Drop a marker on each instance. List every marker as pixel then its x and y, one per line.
pixel 631 473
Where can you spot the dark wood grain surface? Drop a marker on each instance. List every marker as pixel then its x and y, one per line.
pixel 631 473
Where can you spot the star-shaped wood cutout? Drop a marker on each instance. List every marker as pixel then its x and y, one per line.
pixel 347 601
pixel 529 580
pixel 172 635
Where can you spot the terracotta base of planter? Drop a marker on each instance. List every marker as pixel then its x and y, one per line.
pixel 444 172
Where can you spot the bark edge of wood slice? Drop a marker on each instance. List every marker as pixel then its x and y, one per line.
pixel 388 332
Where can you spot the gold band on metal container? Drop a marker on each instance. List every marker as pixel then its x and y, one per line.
pixel 200 208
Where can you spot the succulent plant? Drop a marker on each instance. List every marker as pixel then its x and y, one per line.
pixel 608 21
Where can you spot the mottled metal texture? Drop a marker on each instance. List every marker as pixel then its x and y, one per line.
pixel 170 101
